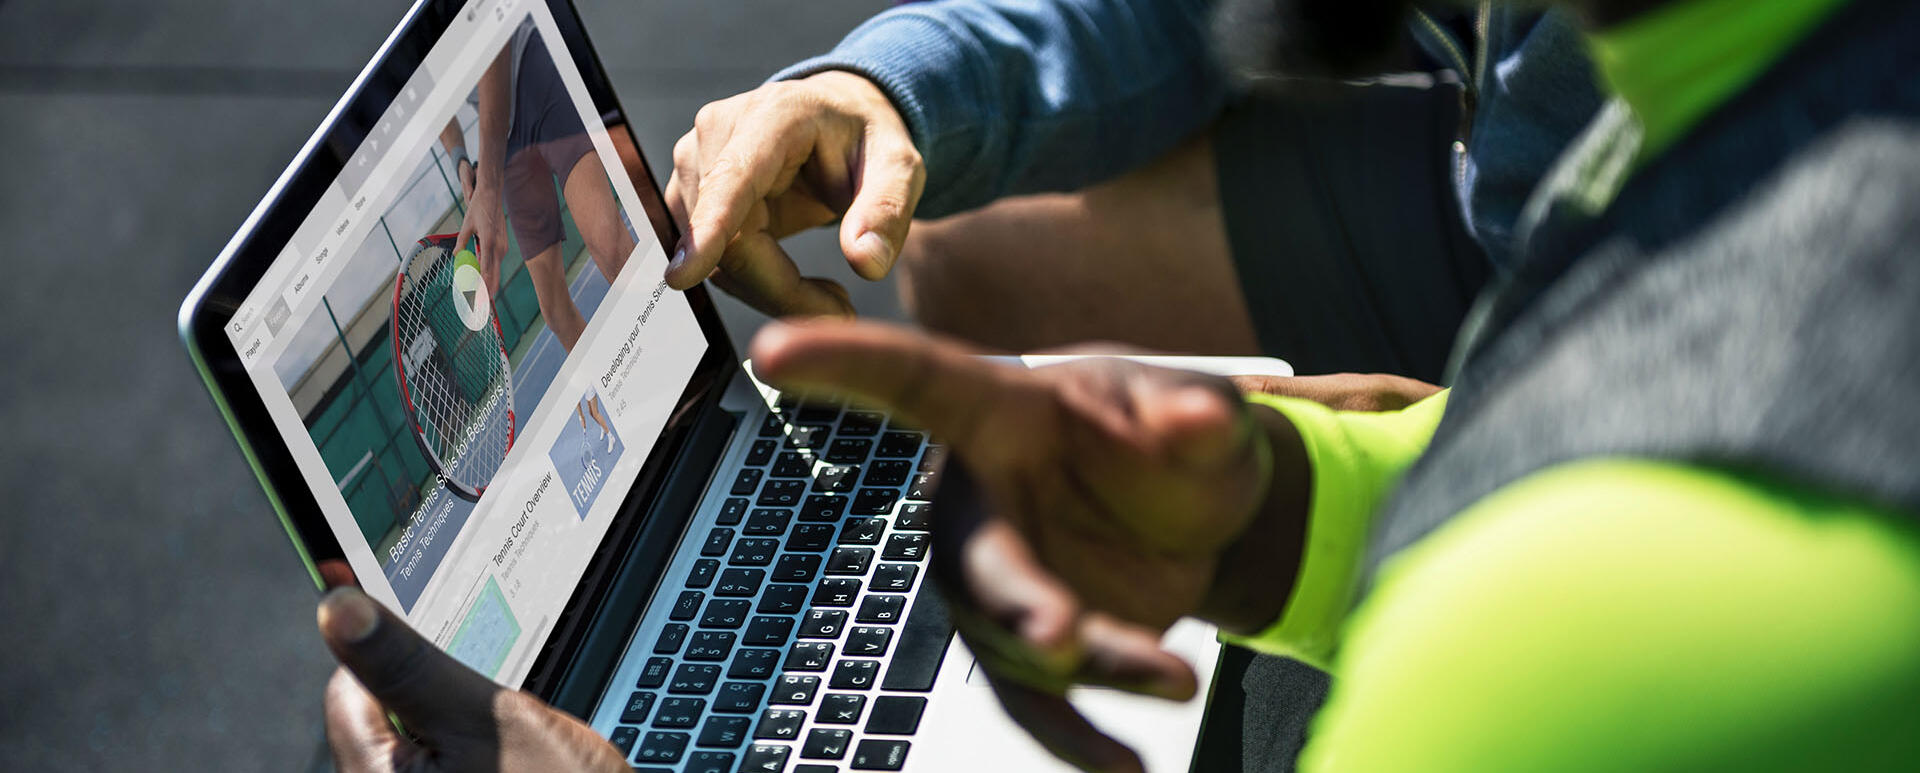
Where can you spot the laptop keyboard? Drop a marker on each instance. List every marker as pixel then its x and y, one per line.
pixel 798 639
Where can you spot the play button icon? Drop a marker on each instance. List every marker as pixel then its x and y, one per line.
pixel 470 299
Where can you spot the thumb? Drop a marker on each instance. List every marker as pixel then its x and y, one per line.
pixel 875 226
pixel 429 691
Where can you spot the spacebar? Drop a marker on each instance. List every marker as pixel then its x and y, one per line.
pixel 923 643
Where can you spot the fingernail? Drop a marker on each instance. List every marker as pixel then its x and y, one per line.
pixel 679 258
pixel 875 247
pixel 348 616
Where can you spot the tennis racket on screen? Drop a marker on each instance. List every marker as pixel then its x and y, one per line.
pixel 450 361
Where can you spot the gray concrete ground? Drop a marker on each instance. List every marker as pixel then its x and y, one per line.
pixel 152 615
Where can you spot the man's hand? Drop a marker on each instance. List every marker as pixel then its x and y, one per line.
pixel 783 158
pixel 485 220
pixel 456 720
pixel 1086 507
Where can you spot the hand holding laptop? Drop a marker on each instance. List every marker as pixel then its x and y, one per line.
pixel 459 720
pixel 1097 503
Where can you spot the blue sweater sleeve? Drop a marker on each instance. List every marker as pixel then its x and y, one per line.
pixel 1006 97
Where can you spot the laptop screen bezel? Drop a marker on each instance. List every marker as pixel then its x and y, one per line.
pixel 244 262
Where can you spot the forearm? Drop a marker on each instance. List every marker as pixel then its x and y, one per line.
pixel 1006 97
pixel 495 110
pixel 452 141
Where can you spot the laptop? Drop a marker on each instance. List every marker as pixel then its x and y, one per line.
pixel 558 469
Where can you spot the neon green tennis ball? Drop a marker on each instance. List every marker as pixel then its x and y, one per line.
pixel 469 291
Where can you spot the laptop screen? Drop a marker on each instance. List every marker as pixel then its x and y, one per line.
pixel 467 345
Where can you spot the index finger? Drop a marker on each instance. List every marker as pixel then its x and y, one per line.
pixel 753 159
pixel 940 386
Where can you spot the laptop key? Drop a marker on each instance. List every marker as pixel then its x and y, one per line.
pixel 862 531
pixel 914 516
pixel 803 768
pixel 754 551
pixel 849 561
pixel 807 656
pixel 823 507
pixel 726 613
pixel 764 758
pixel 693 679
pixel 896 714
pixel 808 436
pixel 881 609
pixel 836 478
pixel 792 464
pixel 796 567
pixel 670 639
pixel 662 747
pixel 655 672
pixel 639 705
pixel 823 624
pixel 888 472
pixel 703 572
pixel 836 592
pixel 717 542
pixel 740 582
pixel 924 484
pixel 739 697
pixel 923 643
pixel 623 738
pixel 710 645
pixel 840 709
pixel 896 445
pixel 679 712
pixel 849 450
pixel 747 482
pixel 761 451
pixel 894 578
pixel 732 510
pixel 782 493
pixel 810 537
pixel 687 606
pixel 907 547
pixel 855 675
pixel 710 762
pixel 772 425
pixel 825 743
pixel 861 422
pixel 869 641
pixel 795 690
pixel 880 754
pixel 817 410
pixel 782 599
pixel 724 733
pixel 780 724
pixel 767 522
pixel 754 664
pixel 874 501
pixel 768 632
